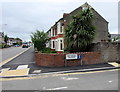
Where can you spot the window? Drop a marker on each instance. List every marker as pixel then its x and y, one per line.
pixel 53 33
pixel 61 27
pixel 61 45
pixel 84 8
pixel 53 44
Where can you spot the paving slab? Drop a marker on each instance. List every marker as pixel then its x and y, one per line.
pixel 15 73
pixel 114 64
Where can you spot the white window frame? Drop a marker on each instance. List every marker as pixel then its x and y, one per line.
pixel 84 8
pixel 52 44
pixel 59 28
pixel 59 44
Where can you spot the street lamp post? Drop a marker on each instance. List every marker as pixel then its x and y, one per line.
pixel 3 28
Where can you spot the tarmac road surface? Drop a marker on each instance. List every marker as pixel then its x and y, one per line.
pixel 107 80
pixel 10 52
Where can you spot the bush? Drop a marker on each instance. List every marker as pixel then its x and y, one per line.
pixel 47 50
pixel 6 46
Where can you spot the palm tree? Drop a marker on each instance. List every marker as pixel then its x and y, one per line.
pixel 80 32
pixel 39 38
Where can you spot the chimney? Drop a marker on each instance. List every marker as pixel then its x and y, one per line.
pixel 65 14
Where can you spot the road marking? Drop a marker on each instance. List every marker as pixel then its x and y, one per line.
pixel 65 78
pixel 54 75
pixel 22 67
pixel 57 88
pixel 36 71
pixel 13 73
pixel 4 69
pixel 78 70
pixel 6 61
pixel 114 64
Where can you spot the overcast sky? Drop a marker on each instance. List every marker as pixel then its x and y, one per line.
pixel 20 18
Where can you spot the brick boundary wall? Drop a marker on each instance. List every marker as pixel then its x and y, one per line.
pixel 58 59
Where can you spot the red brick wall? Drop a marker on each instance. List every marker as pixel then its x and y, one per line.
pixel 57 36
pixel 58 60
pixel 50 60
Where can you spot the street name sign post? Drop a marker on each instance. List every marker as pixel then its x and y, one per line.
pixel 71 56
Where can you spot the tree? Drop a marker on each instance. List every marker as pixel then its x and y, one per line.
pixel 39 38
pixel 19 41
pixel 115 38
pixel 6 38
pixel 79 34
pixel 109 35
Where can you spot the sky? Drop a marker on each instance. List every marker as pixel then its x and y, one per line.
pixel 21 17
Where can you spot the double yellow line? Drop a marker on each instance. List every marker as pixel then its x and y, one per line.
pixel 54 75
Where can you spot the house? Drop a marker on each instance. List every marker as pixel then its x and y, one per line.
pixel 13 41
pixel 1 38
pixel 56 32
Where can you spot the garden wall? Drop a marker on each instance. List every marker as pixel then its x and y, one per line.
pixel 58 59
pixel 110 51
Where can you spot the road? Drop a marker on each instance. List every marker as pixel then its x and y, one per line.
pixel 10 52
pixel 26 58
pixel 73 81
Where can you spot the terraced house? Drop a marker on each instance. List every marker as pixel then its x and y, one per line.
pixel 56 32
pixel 1 38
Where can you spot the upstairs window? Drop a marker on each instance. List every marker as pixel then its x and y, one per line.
pixel 61 27
pixel 84 8
pixel 53 33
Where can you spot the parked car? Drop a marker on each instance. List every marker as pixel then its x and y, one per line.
pixel 16 45
pixel 25 46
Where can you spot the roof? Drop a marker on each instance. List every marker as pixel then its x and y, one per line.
pixel 12 38
pixel 89 6
pixel 85 4
pixel 55 23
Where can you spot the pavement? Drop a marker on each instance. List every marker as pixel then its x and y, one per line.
pixel 23 66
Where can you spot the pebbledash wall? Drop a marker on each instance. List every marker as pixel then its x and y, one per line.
pixel 110 51
pixel 58 60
